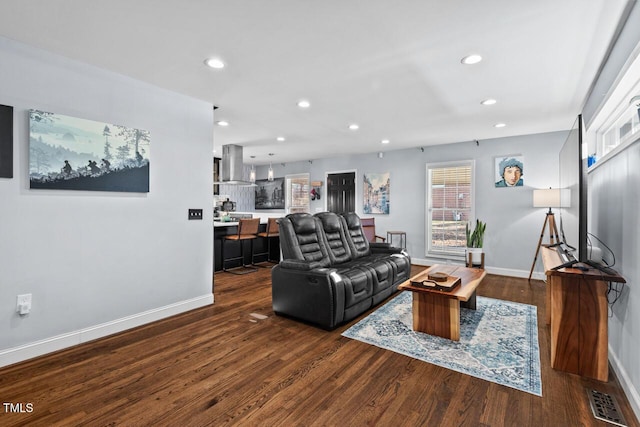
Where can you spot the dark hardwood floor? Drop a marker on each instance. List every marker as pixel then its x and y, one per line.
pixel 219 365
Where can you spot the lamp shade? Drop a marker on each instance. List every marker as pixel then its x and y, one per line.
pixel 552 198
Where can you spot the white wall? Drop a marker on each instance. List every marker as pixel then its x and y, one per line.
pixel 614 191
pixel 98 262
pixel 513 224
pixel 614 201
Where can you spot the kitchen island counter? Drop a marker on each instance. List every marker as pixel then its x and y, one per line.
pixel 264 218
pixel 232 249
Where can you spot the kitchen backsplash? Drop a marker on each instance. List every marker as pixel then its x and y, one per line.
pixel 243 196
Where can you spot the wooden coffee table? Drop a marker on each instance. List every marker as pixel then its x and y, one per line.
pixel 437 312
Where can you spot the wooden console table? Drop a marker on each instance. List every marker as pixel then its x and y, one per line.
pixel 578 313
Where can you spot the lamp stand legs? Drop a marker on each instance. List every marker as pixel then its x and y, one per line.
pixel 554 238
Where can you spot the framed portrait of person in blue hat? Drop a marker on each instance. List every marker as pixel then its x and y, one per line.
pixel 509 171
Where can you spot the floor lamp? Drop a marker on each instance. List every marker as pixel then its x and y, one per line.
pixel 549 198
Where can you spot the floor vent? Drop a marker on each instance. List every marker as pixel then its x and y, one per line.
pixel 605 408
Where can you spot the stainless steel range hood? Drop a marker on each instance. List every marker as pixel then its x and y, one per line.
pixel 231 166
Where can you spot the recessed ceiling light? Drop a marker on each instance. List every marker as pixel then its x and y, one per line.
pixel 471 59
pixel 280 138
pixel 489 101
pixel 385 141
pixel 354 126
pixel 222 123
pixel 303 103
pixel 499 125
pixel 214 63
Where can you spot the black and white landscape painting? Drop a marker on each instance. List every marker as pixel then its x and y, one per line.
pixel 69 153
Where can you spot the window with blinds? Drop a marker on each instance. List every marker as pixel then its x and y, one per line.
pixel 297 193
pixel 450 205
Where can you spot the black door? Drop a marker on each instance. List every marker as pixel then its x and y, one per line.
pixel 341 192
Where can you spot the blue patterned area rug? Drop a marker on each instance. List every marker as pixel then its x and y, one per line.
pixel 498 341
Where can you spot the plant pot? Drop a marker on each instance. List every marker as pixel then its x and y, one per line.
pixel 473 256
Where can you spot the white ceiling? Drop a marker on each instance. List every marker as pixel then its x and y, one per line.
pixel 393 67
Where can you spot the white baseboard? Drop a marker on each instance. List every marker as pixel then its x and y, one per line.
pixel 633 396
pixel 491 270
pixel 59 342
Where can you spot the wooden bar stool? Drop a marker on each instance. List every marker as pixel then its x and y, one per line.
pixel 272 231
pixel 247 230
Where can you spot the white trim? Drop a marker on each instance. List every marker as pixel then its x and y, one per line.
pixel 450 256
pixel 60 342
pixel 611 154
pixel 626 383
pixel 614 104
pixel 619 89
pixel 523 274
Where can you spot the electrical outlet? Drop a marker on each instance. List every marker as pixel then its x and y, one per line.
pixel 195 213
pixel 23 304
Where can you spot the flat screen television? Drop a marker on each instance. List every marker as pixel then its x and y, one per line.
pixel 573 175
pixel 573 167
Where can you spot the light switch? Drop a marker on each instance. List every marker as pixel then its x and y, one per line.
pixel 195 214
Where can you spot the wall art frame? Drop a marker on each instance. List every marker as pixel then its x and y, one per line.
pixel 509 171
pixel 377 195
pixel 269 194
pixel 70 153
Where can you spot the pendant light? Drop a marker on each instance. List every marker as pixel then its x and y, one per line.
pixel 252 175
pixel 270 172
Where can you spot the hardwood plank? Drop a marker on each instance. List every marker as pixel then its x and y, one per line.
pixel 220 366
pixel 495 408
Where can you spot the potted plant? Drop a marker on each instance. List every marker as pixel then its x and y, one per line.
pixel 475 240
